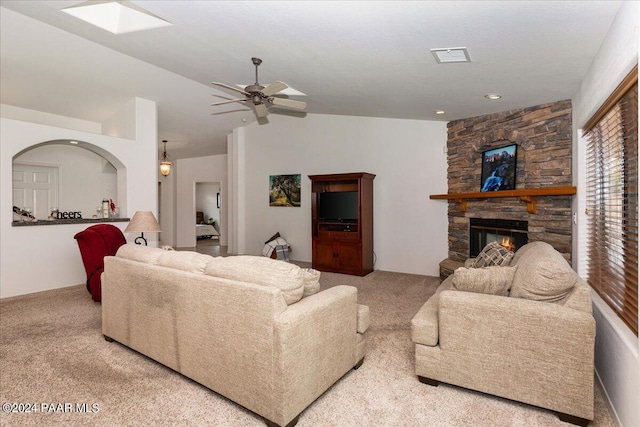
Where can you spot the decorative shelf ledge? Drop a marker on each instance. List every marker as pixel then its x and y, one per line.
pixel 67 221
pixel 526 195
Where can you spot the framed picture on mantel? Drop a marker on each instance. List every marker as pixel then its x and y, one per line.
pixel 499 169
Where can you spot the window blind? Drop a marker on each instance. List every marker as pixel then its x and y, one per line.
pixel 612 201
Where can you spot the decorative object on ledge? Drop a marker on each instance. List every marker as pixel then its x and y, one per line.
pixel 23 215
pixel 143 222
pixel 66 215
pixel 68 221
pixel 526 195
pixel 165 164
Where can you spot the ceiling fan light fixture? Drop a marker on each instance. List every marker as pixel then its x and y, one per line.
pixel 117 17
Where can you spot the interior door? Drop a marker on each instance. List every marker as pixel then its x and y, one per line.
pixel 35 187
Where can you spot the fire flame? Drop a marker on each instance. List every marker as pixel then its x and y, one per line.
pixel 507 243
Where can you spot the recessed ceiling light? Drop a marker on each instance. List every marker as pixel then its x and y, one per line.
pixel 493 96
pixel 439 112
pixel 117 17
pixel 451 54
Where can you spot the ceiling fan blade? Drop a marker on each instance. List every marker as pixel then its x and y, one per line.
pixel 231 88
pixel 274 88
pixel 229 101
pixel 290 103
pixel 261 110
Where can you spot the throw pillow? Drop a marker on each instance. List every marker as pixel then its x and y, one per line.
pixel 493 254
pixel 492 280
pixel 543 274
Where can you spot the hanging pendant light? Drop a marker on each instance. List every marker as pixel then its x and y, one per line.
pixel 165 164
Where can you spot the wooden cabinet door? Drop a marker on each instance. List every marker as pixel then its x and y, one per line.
pixel 324 254
pixel 350 257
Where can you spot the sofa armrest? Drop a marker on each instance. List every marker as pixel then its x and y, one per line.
pixel 541 350
pixel 424 325
pixel 364 319
pixel 314 345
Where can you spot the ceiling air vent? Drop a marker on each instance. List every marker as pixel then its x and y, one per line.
pixel 451 54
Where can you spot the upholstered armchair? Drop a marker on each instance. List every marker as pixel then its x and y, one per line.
pixel 523 332
pixel 95 243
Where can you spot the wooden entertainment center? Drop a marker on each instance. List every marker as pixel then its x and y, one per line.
pixel 342 245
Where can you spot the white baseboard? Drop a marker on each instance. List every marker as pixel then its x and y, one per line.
pixel 607 401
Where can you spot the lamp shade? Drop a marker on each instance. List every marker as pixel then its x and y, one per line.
pixel 143 222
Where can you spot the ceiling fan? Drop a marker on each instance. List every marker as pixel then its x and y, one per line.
pixel 262 96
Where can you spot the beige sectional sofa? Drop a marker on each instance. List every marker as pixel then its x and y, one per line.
pixel 239 325
pixel 534 345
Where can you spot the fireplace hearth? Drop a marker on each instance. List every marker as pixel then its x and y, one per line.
pixel 512 234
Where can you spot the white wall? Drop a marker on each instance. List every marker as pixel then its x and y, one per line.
pixel 617 348
pixel 39 258
pixel 407 157
pixel 188 173
pixel 85 178
pixel 32 116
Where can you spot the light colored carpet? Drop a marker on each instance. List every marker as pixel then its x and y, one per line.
pixel 52 351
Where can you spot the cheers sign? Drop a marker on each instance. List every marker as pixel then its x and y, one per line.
pixel 68 215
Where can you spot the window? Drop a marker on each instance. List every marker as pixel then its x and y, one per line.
pixel 612 201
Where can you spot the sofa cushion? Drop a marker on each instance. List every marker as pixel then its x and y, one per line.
pixel 311 282
pixel 146 254
pixel 192 262
pixel 287 277
pixel 543 274
pixel 492 280
pixel 492 254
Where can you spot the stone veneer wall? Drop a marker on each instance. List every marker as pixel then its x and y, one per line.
pixel 543 134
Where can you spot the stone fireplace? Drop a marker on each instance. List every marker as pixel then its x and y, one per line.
pixel 543 134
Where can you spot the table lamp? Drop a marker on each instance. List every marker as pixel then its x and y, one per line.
pixel 142 222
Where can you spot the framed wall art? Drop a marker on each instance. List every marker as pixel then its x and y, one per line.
pixel 284 190
pixel 499 168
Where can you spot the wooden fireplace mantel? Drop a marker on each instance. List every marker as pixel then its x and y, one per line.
pixel 526 195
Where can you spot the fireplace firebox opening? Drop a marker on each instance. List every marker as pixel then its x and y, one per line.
pixel 512 234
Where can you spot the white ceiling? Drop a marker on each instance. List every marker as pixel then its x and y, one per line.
pixel 359 58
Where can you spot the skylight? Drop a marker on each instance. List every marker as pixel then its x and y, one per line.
pixel 117 17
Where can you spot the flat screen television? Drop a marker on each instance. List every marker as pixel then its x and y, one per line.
pixel 341 206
